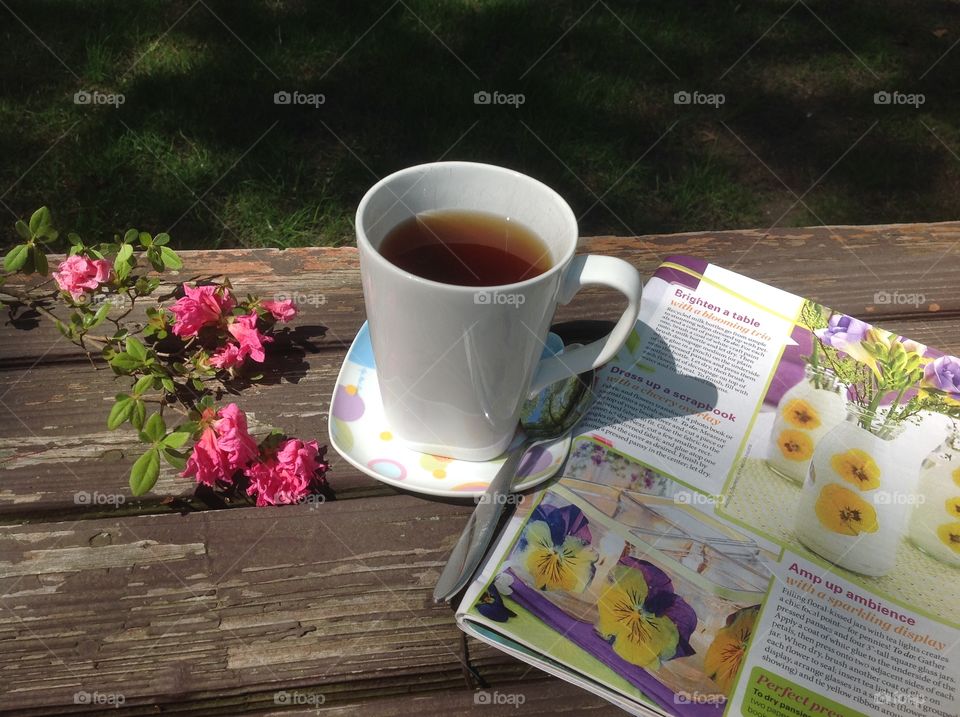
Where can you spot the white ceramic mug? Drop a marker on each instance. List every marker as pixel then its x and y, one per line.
pixel 455 363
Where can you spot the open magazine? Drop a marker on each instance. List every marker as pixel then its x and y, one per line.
pixel 759 516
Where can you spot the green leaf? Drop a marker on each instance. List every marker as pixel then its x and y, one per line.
pixel 169 258
pixel 74 239
pixel 131 236
pixel 16 257
pixel 175 458
pixel 100 315
pixel 190 427
pixel 23 230
pixel 176 439
pixel 40 221
pixel 155 428
pixel 120 413
pixel 139 414
pixel 39 260
pixel 143 384
pixel 161 239
pixel 144 474
pixel 153 254
pixel 135 348
pixel 168 384
pixel 125 363
pixel 121 264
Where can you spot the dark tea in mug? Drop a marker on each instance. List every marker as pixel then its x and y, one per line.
pixel 466 248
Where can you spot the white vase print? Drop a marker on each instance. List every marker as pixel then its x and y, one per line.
pixel 935 520
pixel 855 501
pixel 805 414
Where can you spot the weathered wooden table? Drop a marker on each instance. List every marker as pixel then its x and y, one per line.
pixel 178 607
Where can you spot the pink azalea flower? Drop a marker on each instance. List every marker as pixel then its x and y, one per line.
pixel 202 305
pixel 244 330
pixel 281 310
pixel 77 274
pixel 227 356
pixel 288 476
pixel 224 447
pixel 235 440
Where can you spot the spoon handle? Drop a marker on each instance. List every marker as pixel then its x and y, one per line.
pixel 476 536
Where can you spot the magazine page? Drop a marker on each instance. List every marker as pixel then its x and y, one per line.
pixel 759 516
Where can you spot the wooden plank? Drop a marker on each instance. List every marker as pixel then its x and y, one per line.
pixel 58 457
pixel 58 460
pixel 842 266
pixel 228 605
pixel 54 444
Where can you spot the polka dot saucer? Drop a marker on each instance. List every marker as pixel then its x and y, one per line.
pixel 359 432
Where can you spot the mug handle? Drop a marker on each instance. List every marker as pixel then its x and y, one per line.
pixel 593 270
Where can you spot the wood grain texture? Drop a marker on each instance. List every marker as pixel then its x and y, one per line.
pixel 49 411
pixel 211 612
pixel 225 604
pixel 842 267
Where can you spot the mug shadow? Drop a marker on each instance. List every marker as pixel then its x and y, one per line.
pixel 698 392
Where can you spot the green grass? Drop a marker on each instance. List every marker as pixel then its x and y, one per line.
pixel 199 148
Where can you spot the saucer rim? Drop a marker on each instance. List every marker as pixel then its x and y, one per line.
pixel 403 484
